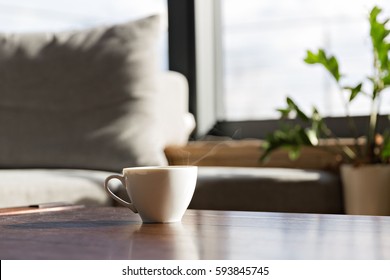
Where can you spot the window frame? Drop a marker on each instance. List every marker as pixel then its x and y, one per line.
pixel 191 53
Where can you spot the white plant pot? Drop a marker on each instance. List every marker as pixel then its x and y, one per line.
pixel 366 189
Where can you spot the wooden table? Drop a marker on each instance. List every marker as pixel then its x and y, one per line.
pixel 117 233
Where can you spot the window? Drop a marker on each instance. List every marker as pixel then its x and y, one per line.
pixel 263 44
pixel 47 15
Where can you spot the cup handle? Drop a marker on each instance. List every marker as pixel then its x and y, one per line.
pixel 118 199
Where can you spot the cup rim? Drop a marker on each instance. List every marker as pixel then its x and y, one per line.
pixel 167 167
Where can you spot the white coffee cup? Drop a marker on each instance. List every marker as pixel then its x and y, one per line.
pixel 158 194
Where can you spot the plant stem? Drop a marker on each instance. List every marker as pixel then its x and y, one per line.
pixel 352 125
pixel 351 155
pixel 375 104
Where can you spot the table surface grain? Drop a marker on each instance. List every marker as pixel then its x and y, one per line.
pixel 117 233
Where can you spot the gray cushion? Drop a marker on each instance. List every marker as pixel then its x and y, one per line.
pixel 268 189
pixel 34 186
pixel 80 99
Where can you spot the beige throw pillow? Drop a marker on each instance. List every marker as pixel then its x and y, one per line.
pixel 80 99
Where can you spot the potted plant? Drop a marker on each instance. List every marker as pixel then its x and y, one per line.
pixel 365 169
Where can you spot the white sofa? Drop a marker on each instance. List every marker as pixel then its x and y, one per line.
pixel 78 105
pixel 26 186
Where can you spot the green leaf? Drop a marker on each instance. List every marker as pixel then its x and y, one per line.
pixel 354 91
pixel 285 113
pixel 378 34
pixel 313 136
pixel 375 11
pixel 294 153
pixel 302 115
pixel 386 80
pixel 291 138
pixel 311 58
pixel 293 106
pixel 329 62
pixel 303 138
pixel 318 126
pixel 291 103
pixel 385 153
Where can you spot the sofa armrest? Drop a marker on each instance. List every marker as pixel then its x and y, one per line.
pixel 175 120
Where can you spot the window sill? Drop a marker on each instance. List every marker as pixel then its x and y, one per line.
pixel 246 153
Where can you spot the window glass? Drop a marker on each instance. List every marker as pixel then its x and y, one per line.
pixel 49 15
pixel 264 43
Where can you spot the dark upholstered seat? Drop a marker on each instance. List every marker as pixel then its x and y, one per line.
pixel 268 189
